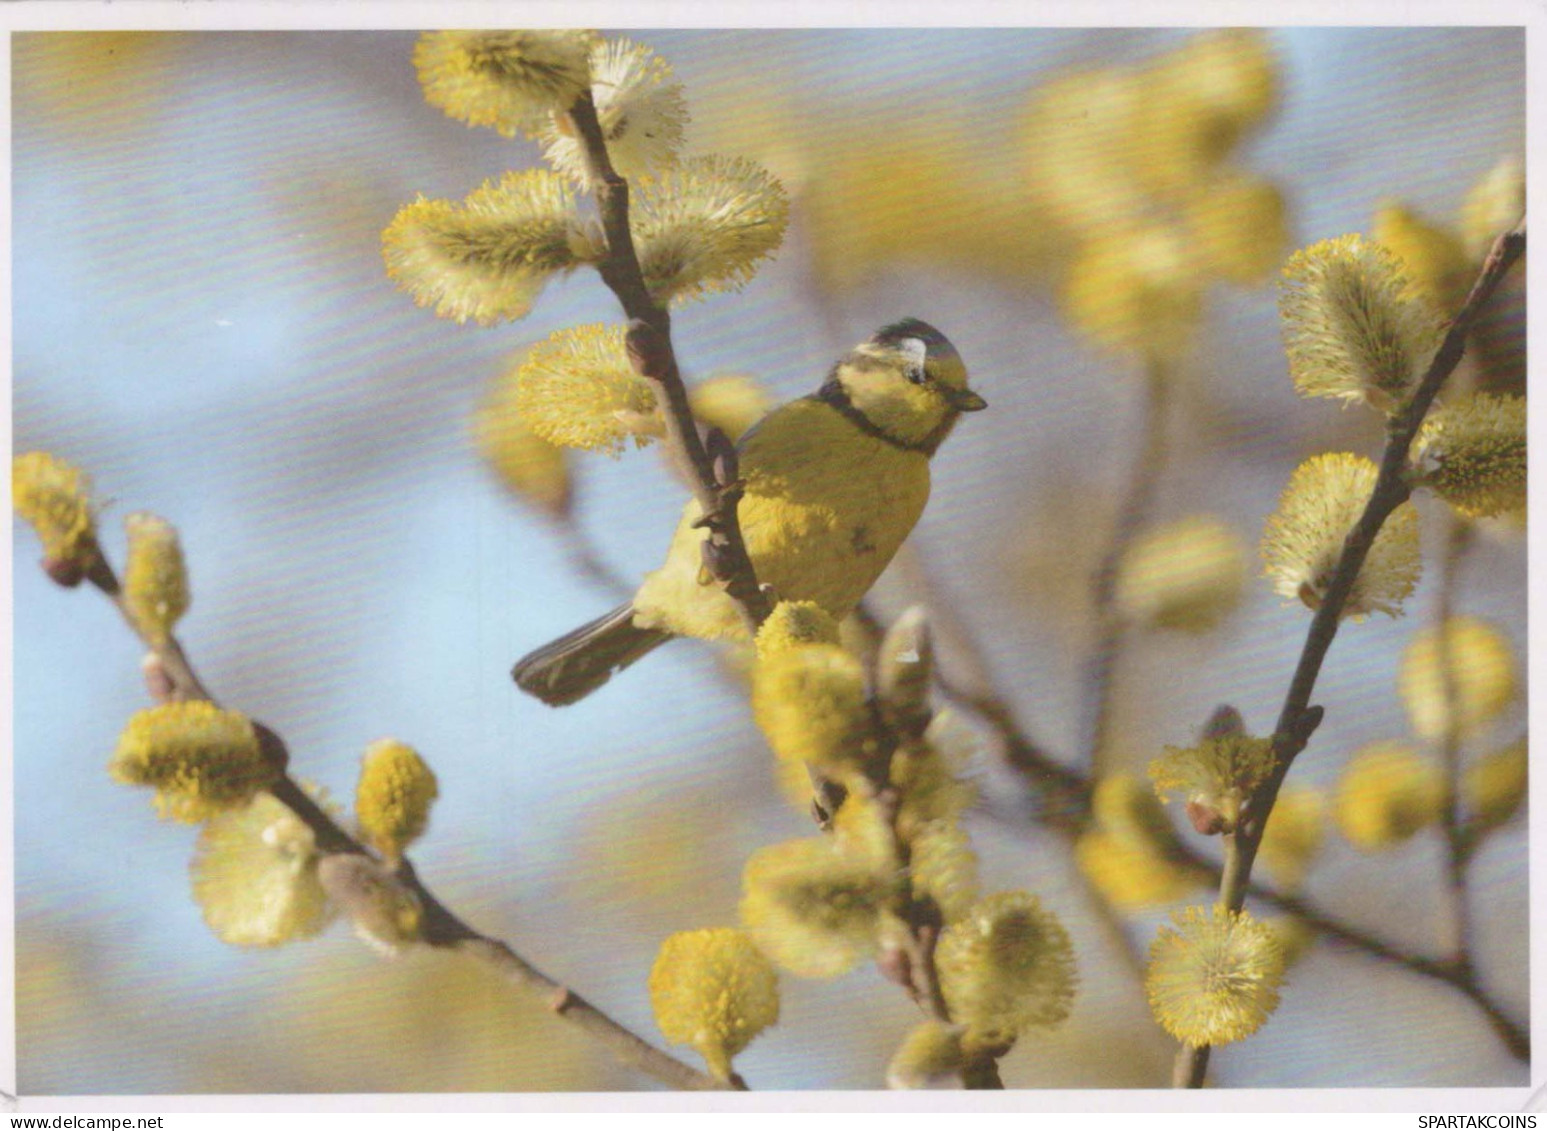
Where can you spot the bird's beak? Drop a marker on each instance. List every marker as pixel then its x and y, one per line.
pixel 965 400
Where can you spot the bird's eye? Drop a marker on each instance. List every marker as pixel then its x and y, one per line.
pixel 916 374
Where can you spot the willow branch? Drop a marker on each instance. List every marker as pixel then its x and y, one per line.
pixel 650 352
pixel 441 927
pixel 1298 720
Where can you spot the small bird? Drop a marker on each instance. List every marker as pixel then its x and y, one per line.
pixel 834 482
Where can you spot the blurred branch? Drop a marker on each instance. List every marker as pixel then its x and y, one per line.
pixel 1096 705
pixel 1064 793
pixel 1298 720
pixel 441 927
pixel 1458 850
pixel 712 476
pixel 1457 538
pixel 587 561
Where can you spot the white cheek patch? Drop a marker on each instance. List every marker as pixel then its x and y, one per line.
pixel 914 350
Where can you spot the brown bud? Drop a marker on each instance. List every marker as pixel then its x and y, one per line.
pixel 649 351
pixel 716 559
pixel 386 913
pixel 826 796
pixel 1225 721
pixel 66 572
pixel 895 966
pixel 1206 819
pixel 722 452
pixel 158 681
pixel 904 670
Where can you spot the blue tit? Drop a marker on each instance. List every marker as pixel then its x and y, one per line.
pixel 834 483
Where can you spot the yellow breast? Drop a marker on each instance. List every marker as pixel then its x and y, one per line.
pixel 826 507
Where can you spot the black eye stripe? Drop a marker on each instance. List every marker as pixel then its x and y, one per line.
pixel 916 374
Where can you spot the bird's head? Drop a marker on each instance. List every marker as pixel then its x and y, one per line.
pixel 908 382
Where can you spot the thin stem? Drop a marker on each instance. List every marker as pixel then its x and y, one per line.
pixel 1131 515
pixel 441 927
pixel 588 563
pixel 1457 839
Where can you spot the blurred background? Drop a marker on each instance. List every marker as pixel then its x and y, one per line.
pixel 203 323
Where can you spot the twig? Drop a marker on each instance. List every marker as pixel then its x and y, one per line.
pixel 1457 840
pixel 441 927
pixel 587 562
pixel 1097 691
pixel 651 354
pixel 1298 720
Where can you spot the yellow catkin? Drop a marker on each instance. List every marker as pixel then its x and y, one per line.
pixel 1434 261
pixel 577 389
pixel 532 469
pixel 812 705
pixel 1386 794
pixel 1294 835
pixel 1472 453
pixel 1006 966
pixel 1187 575
pixel 1494 786
pixel 1126 808
pixel 1304 538
pixel 944 869
pixel 813 907
pixel 508 80
pixel 715 991
pixel 199 759
pixel 1219 773
pixel 705 225
pixel 642 113
pixel 930 1056
pixel 732 403
pixel 1351 329
pixel 55 498
pixel 1135 289
pixel 386 912
pixel 905 666
pixel 1214 976
pixel 393 796
pixel 1241 225
pixel 255 876
pixel 793 624
pixel 1494 205
pixel 487 258
pixel 155 584
pixel 1131 877
pixel 1481 681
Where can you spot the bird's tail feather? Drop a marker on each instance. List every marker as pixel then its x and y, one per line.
pixel 579 662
